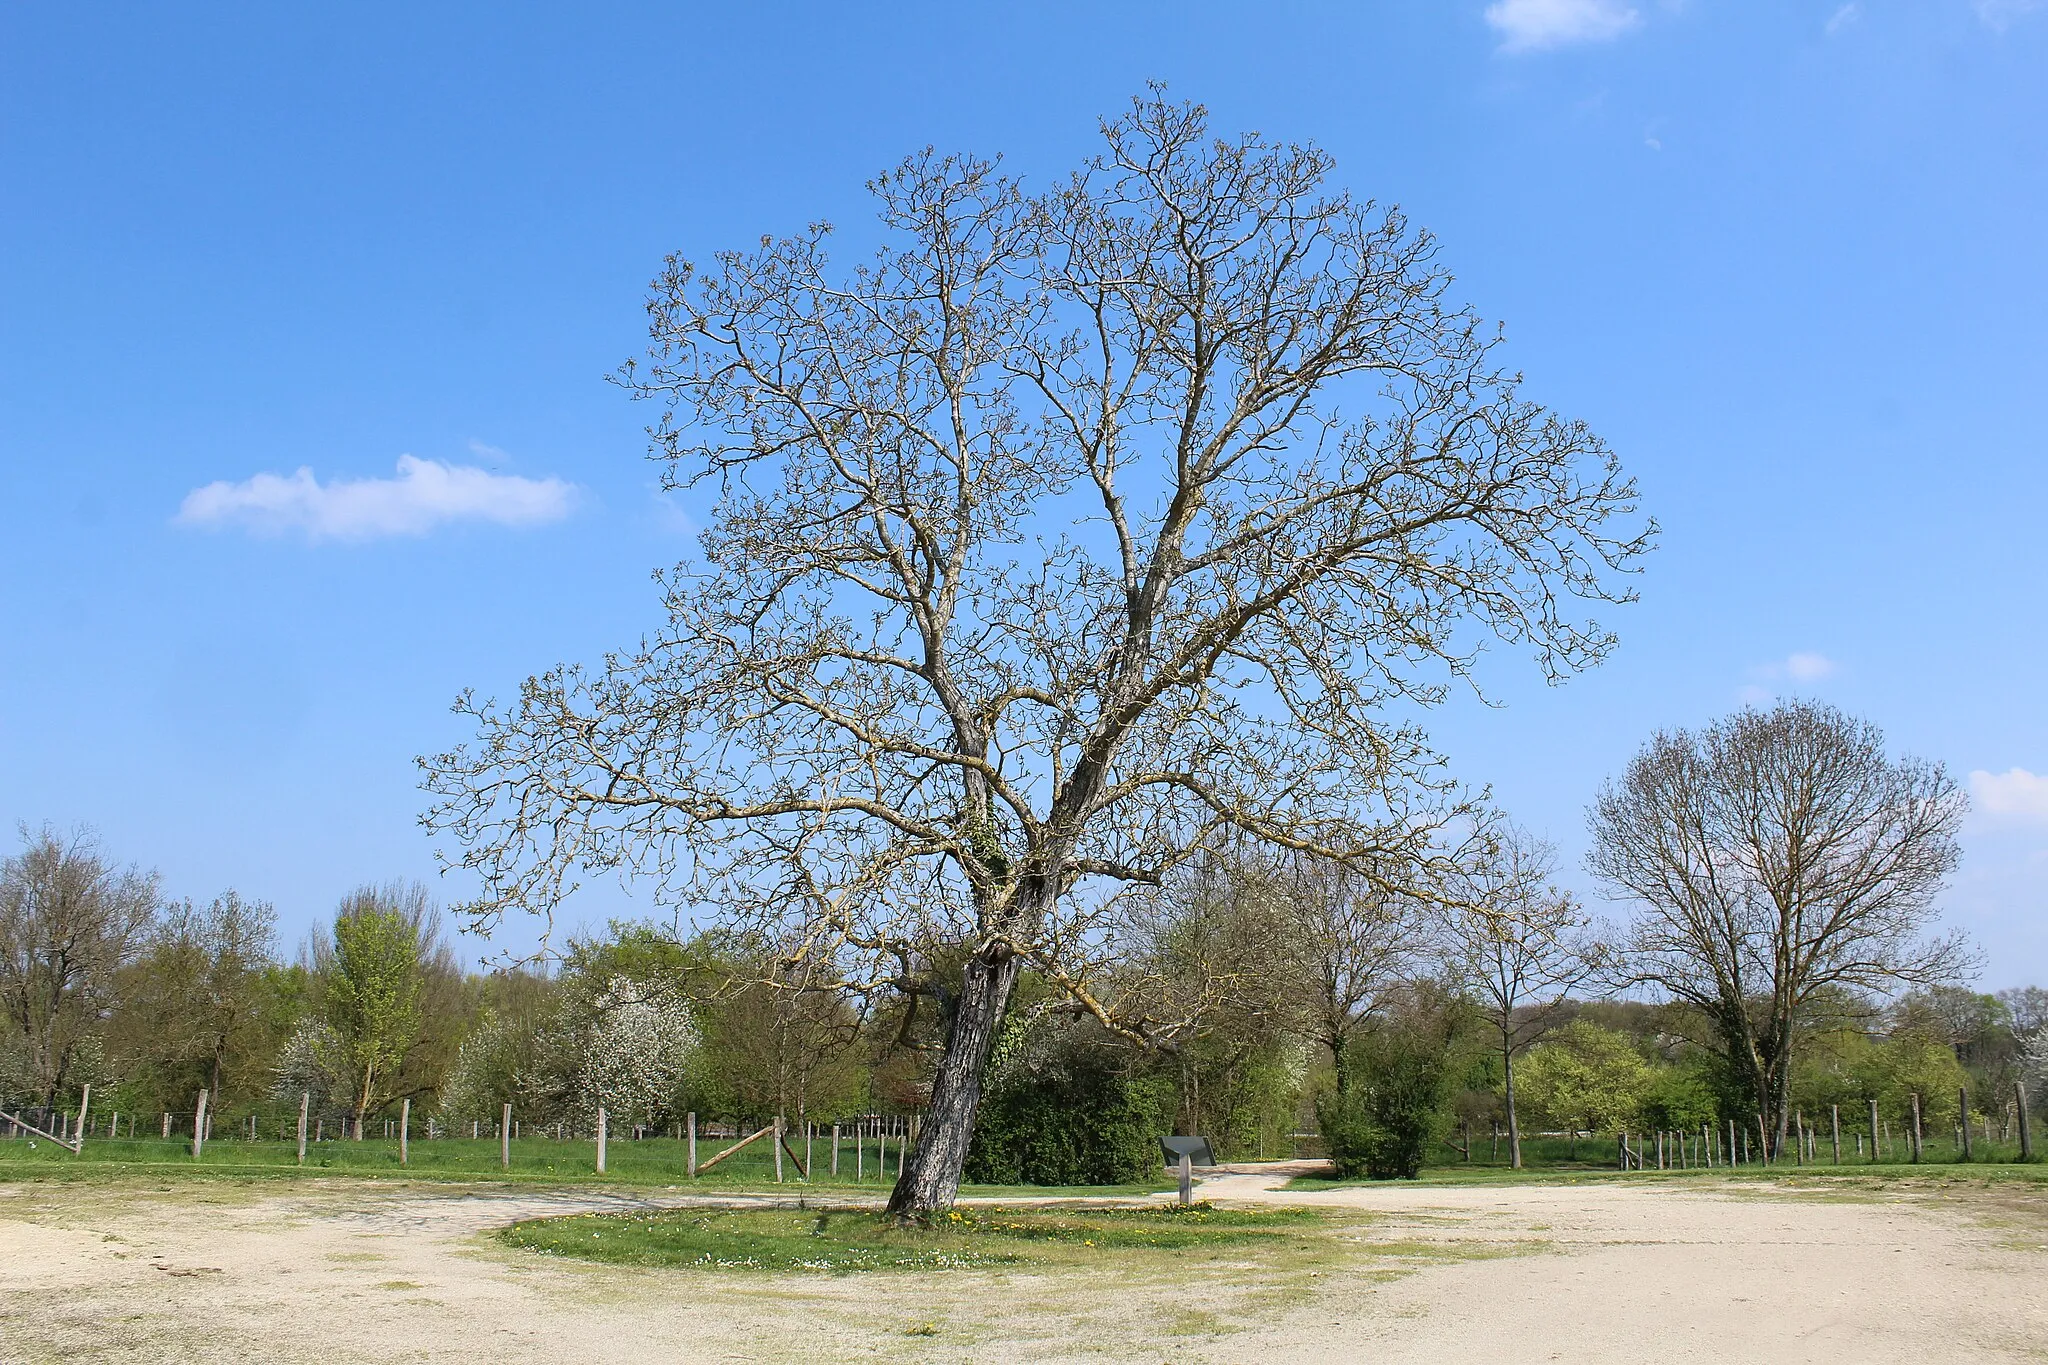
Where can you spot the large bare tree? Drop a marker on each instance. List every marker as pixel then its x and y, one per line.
pixel 69 920
pixel 1779 858
pixel 1519 945
pixel 1068 529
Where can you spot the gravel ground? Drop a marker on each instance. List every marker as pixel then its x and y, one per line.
pixel 1676 1271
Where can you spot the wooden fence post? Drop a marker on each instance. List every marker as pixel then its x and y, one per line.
pixel 860 1150
pixel 1835 1122
pixel 603 1132
pixel 1963 1119
pixel 404 1132
pixel 692 1123
pixel 2019 1099
pixel 199 1125
pixel 810 1131
pixel 1187 1179
pixel 778 1149
pixel 1875 1151
pixel 305 1100
pixel 505 1139
pixel 835 1149
pixel 1916 1128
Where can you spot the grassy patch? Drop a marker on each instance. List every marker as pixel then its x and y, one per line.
pixel 655 1163
pixel 841 1240
pixel 1783 1174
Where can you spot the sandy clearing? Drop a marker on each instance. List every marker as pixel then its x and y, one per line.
pixel 1689 1271
pixel 1604 1271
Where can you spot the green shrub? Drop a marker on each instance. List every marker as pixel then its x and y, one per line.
pixel 1391 1112
pixel 1069 1115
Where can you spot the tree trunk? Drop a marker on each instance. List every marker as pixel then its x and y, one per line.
pixel 1781 1124
pixel 1507 1061
pixel 363 1098
pixel 929 1181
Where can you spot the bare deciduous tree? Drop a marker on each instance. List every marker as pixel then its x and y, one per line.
pixel 1350 942
pixel 1042 549
pixel 69 920
pixel 1520 946
pixel 1779 857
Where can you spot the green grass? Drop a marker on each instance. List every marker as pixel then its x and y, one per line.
pixel 657 1163
pixel 843 1240
pixel 1543 1165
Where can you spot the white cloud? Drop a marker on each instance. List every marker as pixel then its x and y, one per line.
pixel 1807 666
pixel 1528 25
pixel 425 494
pixel 1769 681
pixel 1801 666
pixel 1843 17
pixel 2015 793
pixel 1999 14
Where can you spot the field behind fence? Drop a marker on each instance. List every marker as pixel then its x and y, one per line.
pixel 869 1151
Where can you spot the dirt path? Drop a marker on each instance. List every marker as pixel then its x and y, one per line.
pixel 1603 1271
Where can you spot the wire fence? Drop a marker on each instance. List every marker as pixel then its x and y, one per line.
pixel 859 1149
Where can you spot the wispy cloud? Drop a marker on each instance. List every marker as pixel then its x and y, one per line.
pixel 1531 25
pixel 1802 666
pixel 1767 680
pixel 2000 14
pixel 425 494
pixel 2015 794
pixel 1842 18
pixel 1808 667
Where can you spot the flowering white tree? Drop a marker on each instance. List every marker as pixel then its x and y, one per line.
pixel 635 1053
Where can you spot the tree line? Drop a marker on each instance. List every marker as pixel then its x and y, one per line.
pixel 1276 994
pixel 150 1000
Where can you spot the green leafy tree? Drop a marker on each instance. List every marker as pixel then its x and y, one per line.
pixel 195 1007
pixel 1587 1077
pixel 1396 1105
pixel 373 989
pixel 1848 1068
pixel 1681 1096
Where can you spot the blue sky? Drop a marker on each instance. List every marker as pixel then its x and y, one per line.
pixel 1787 257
